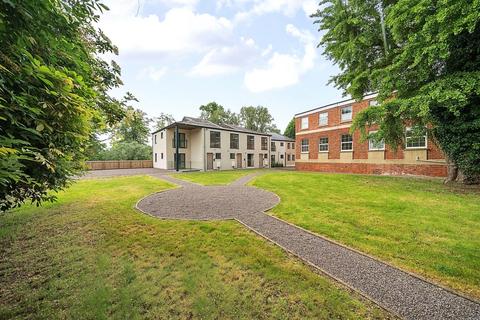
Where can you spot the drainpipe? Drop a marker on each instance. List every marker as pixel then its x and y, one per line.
pixel 177 138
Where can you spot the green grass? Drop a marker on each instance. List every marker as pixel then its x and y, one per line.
pixel 91 255
pixel 419 225
pixel 214 178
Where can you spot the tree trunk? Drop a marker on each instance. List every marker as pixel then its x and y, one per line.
pixel 452 171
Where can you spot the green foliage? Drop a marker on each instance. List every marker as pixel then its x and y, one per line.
pixel 133 128
pixel 258 119
pixel 216 113
pixel 125 151
pixel 290 130
pixel 53 92
pixel 427 74
pixel 163 120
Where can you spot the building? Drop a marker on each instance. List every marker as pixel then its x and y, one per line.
pixel 203 145
pixel 282 151
pixel 325 144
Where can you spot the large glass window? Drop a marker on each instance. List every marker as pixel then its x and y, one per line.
pixel 182 141
pixel 323 144
pixel 264 143
pixel 346 113
pixel 234 141
pixel 251 142
pixel 273 146
pixel 376 145
pixel 305 146
pixel 305 123
pixel 347 142
pixel 415 140
pixel 215 141
pixel 323 119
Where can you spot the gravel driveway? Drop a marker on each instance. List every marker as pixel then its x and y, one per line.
pixel 397 291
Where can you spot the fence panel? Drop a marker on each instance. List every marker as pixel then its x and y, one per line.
pixel 119 164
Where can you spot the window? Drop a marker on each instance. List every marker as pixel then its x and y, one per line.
pixel 288 145
pixel 289 157
pixel 264 143
pixel 346 113
pixel 293 145
pixel 415 140
pixel 305 123
pixel 281 156
pixel 281 144
pixel 323 119
pixel 232 156
pixel 265 156
pixel 234 141
pixel 293 157
pixel 161 135
pixel 155 141
pixel 372 103
pixel 215 139
pixel 250 142
pixel 376 145
pixel 161 155
pixel 155 157
pixel 218 156
pixel 347 142
pixel 273 146
pixel 182 141
pixel 305 146
pixel 323 145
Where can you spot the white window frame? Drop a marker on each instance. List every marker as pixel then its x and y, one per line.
pixel 325 122
pixel 305 148
pixel 415 148
pixel 320 144
pixel 345 142
pixel 304 123
pixel 373 103
pixel 371 144
pixel 349 113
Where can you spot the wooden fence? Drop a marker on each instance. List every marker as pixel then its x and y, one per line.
pixel 119 164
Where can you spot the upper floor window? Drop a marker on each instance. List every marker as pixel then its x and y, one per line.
pixel 215 141
pixel 288 145
pixel 264 143
pixel 323 119
pixel 374 144
pixel 234 141
pixel 323 144
pixel 281 144
pixel 304 123
pixel 346 113
pixel 293 145
pixel 415 140
pixel 372 103
pixel 273 146
pixel 155 141
pixel 347 142
pixel 250 142
pixel 161 135
pixel 182 141
pixel 305 146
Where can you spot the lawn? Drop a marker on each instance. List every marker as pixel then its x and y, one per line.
pixel 418 224
pixel 91 255
pixel 215 177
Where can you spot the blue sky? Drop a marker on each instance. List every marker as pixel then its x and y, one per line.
pixel 179 54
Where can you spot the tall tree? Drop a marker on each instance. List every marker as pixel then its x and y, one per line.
pixel 53 91
pixel 423 57
pixel 133 128
pixel 216 113
pixel 290 130
pixel 258 119
pixel 163 120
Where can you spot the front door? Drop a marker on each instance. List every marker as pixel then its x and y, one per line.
pixel 250 160
pixel 209 161
pixel 239 160
pixel 260 160
pixel 181 164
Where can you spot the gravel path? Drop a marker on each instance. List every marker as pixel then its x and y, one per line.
pixel 395 290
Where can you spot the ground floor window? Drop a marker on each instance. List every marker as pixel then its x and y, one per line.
pixel 218 156
pixel 155 157
pixel 323 144
pixel 374 145
pixel 181 157
pixel 347 142
pixel 289 158
pixel 305 145
pixel 415 140
pixel 232 156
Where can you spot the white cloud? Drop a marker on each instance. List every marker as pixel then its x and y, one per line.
pixel 181 31
pixel 227 59
pixel 261 7
pixel 283 70
pixel 152 73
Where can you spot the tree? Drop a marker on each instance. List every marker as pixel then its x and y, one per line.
pixel 423 58
pixel 53 91
pixel 216 113
pixel 125 151
pixel 290 130
pixel 163 120
pixel 258 119
pixel 133 128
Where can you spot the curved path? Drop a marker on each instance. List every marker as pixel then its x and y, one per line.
pixel 401 293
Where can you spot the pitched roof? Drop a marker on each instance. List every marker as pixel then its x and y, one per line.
pixel 202 123
pixel 279 137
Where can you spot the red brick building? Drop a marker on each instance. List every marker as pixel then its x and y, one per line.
pixel 324 143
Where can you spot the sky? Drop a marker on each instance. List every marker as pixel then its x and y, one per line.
pixel 177 55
